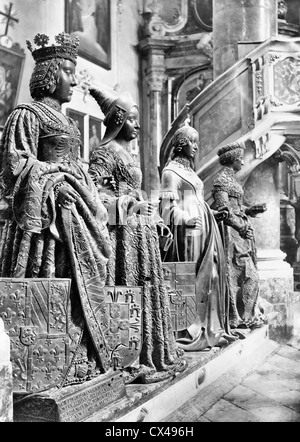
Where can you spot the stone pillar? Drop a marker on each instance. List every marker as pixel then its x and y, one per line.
pixel 6 382
pixel 276 275
pixel 242 21
pixel 154 91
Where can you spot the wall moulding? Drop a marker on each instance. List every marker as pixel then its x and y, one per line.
pixel 203 13
pixel 163 17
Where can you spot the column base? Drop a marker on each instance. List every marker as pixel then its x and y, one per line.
pixel 277 287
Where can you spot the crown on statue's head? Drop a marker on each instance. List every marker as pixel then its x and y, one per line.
pixel 66 47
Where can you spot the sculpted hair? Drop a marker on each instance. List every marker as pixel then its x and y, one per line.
pixel 181 138
pixel 43 77
pixel 230 152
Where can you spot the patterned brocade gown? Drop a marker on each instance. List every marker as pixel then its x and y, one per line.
pixel 242 274
pixel 41 239
pixel 135 260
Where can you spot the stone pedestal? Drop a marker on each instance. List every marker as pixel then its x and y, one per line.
pixel 74 403
pixel 276 286
pixel 6 383
pixel 239 21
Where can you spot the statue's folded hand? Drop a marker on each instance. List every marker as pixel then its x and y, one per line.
pixel 143 208
pixel 194 222
pixel 66 196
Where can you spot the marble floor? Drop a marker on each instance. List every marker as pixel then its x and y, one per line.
pixel 271 393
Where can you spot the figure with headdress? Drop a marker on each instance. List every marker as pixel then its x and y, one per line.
pixel 239 241
pixel 55 222
pixel 196 237
pixel 134 226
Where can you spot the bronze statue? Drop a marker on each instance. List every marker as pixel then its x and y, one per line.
pixel 134 226
pixel 196 238
pixel 239 241
pixel 55 226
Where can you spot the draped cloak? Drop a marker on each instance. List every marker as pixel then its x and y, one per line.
pixel 40 239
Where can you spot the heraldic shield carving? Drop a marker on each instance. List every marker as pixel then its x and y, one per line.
pixel 180 280
pixel 123 324
pixel 37 317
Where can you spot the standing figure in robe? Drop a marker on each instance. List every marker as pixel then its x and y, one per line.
pixel 239 241
pixel 55 223
pixel 196 237
pixel 134 228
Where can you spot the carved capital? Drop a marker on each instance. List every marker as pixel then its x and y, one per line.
pixel 156 80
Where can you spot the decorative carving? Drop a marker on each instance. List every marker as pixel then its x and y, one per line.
pixel 287 81
pixel 273 58
pixel 28 335
pixel 180 280
pixel 205 44
pixel 257 69
pixel 161 17
pixel 52 339
pixel 156 80
pixel 262 146
pixel 260 108
pixel 275 102
pixel 43 303
pixel 123 326
pixel 259 82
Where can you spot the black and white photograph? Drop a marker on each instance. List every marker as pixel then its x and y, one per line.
pixel 149 261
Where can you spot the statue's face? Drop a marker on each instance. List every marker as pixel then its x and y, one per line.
pixel 238 164
pixel 66 80
pixel 131 126
pixel 191 148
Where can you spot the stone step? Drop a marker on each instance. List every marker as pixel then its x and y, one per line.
pixel 210 374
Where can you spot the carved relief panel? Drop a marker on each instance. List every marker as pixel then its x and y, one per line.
pixel 37 317
pixel 180 280
pixel 285 82
pixel 165 17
